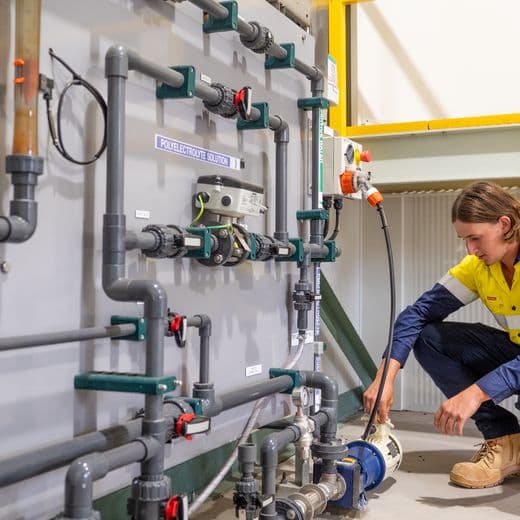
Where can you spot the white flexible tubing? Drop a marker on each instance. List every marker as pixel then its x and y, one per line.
pixel 251 422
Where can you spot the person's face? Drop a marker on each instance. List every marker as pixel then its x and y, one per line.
pixel 485 240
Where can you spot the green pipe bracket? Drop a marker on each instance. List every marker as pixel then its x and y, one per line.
pixel 213 25
pixel 294 374
pixel 140 327
pixel 125 382
pixel 331 255
pixel 258 124
pixel 312 214
pixel 196 404
pixel 271 62
pixel 205 250
pixel 313 102
pixel 298 254
pixel 186 90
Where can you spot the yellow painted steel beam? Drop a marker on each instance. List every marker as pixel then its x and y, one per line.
pixel 338 50
pixel 434 125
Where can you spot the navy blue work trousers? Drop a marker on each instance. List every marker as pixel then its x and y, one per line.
pixel 456 355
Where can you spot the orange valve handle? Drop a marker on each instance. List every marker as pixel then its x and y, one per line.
pixel 346 181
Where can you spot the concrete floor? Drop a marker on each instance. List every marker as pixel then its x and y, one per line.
pixel 420 488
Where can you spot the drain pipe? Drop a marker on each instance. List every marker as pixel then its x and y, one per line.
pixel 24 165
pixel 152 481
pixel 271 446
pixel 84 471
pixel 203 389
pixel 66 336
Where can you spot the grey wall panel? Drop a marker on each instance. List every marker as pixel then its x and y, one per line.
pixel 55 280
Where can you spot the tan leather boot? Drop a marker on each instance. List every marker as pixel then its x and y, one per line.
pixel 497 459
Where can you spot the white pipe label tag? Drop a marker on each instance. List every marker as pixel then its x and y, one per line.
pixel 195 152
pixel 142 213
pixel 253 370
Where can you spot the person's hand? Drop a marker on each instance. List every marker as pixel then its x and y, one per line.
pixel 387 397
pixel 454 412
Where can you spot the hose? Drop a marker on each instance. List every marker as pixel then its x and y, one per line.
pixel 251 422
pixel 388 350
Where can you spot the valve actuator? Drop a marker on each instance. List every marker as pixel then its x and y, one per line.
pixel 229 197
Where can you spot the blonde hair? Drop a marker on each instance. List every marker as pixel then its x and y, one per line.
pixel 485 201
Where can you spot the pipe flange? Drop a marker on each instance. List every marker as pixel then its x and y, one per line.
pixel 166 241
pixel 20 163
pixel 246 487
pixel 264 247
pixel 334 450
pixel 225 244
pixel 289 508
pixel 303 504
pixel 261 42
pixel 225 105
pixel 148 491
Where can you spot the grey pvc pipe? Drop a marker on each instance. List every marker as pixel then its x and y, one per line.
pixel 135 240
pixel 271 446
pixel 329 399
pixel 116 285
pixel 249 394
pixel 203 323
pixel 84 471
pixel 39 461
pixel 281 139
pixel 309 72
pixel 66 336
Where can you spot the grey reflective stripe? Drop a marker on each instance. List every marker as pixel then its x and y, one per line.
pixel 502 321
pixel 458 289
pixel 513 322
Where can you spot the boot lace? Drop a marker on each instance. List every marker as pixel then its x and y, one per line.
pixel 486 452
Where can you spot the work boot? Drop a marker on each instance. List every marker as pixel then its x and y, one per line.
pixel 496 459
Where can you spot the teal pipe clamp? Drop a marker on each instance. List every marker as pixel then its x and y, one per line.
pixel 331 255
pixel 258 124
pixel 186 90
pixel 140 327
pixel 313 102
pixel 205 250
pixel 125 382
pixel 196 404
pixel 298 254
pixel 213 25
pixel 294 374
pixel 312 214
pixel 271 62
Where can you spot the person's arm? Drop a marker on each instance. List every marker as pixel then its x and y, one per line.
pixel 434 305
pixel 498 385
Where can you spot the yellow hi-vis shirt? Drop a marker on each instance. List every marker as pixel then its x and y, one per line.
pixel 472 279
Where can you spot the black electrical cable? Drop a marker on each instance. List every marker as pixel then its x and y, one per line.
pixel 388 350
pixel 57 137
pixel 335 231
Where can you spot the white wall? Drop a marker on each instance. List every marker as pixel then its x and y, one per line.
pixel 418 60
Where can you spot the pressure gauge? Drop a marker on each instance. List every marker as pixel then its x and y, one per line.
pixel 349 153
